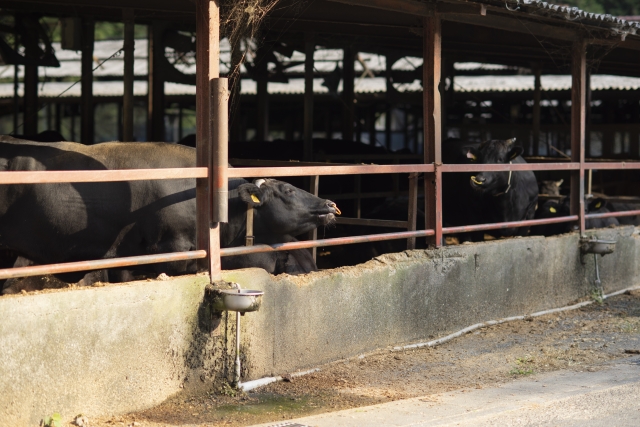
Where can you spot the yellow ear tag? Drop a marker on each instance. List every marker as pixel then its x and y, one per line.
pixel 552 210
pixel 598 205
pixel 255 198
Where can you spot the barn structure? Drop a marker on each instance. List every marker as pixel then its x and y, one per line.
pixel 410 53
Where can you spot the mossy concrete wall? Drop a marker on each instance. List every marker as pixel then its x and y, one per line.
pixel 121 348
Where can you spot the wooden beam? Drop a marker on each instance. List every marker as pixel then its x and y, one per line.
pixel 508 23
pixel 432 125
pixel 578 127
pixel 127 98
pixel 309 49
pixel 86 97
pixel 402 6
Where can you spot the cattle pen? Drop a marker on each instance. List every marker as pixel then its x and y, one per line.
pixel 212 134
pixel 440 32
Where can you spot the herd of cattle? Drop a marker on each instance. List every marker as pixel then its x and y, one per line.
pixel 66 222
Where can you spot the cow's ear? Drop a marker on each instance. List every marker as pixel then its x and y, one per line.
pixel 251 194
pixel 515 152
pixel 595 204
pixel 559 183
pixel 470 153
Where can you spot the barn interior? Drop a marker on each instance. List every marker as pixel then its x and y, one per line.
pixel 329 81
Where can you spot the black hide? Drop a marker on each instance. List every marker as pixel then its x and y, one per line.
pixel 487 197
pixel 55 223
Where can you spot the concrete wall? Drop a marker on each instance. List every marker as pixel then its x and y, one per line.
pixel 120 348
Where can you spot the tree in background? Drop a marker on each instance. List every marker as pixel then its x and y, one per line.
pixel 613 7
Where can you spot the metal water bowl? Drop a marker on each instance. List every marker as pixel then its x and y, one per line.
pixel 597 246
pixel 241 300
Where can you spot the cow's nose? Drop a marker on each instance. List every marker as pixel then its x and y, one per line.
pixel 334 206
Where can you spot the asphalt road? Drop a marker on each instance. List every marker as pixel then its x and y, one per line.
pixel 607 397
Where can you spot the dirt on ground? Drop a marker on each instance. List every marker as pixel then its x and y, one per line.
pixel 582 340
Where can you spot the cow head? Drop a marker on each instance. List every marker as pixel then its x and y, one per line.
pixel 493 152
pixel 281 208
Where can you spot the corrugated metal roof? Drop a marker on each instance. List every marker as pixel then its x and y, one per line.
pixel 548 83
pixel 569 13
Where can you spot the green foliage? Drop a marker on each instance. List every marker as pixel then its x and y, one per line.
pixel 115 31
pixel 54 420
pixel 523 366
pixel 613 7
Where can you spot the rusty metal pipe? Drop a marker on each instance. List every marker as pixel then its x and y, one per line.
pixel 242 250
pixel 50 177
pixel 68 267
pixel 504 167
pixel 612 214
pixel 511 224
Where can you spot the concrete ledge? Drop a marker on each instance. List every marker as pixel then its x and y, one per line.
pixel 121 348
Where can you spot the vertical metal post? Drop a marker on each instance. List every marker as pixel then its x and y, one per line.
pixel 262 95
pixel 313 234
pixel 413 208
pixel 309 50
pixel 208 67
pixel 30 103
pixel 156 84
pixel 536 110
pixel 578 127
pixel 348 77
pixel 235 87
pixel 86 99
pixel 127 99
pixel 16 85
pixel 219 132
pixel 432 52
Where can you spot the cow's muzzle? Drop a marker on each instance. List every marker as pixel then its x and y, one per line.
pixel 330 217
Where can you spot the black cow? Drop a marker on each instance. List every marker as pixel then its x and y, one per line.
pixel 44 136
pixel 487 197
pixel 556 209
pixel 55 223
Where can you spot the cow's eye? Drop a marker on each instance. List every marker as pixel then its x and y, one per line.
pixel 288 191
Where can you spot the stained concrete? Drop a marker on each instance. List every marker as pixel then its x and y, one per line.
pixel 120 348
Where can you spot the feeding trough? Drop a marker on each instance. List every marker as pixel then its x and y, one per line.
pixel 596 246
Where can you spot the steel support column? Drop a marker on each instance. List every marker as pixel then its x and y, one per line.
pixel 127 99
pixel 156 85
pixel 30 118
pixel 536 111
pixel 208 67
pixel 262 95
pixel 432 52
pixel 86 97
pixel 309 49
pixel 348 95
pixel 578 128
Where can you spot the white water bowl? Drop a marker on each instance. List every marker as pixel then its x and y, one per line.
pixel 242 300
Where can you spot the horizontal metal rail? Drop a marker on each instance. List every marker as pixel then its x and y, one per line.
pixel 260 172
pixel 612 214
pixel 69 267
pixel 505 167
pixel 243 250
pixel 612 165
pixel 374 195
pixel 50 177
pixel 510 224
pixel 372 222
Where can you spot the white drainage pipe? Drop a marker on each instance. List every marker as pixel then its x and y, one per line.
pixel 250 385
